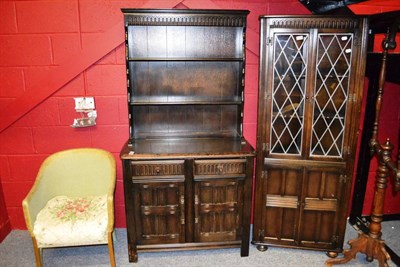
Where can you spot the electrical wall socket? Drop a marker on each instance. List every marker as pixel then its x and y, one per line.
pixel 84 103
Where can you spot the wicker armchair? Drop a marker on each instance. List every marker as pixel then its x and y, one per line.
pixel 72 201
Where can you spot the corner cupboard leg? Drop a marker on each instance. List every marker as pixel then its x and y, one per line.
pixel 332 254
pixel 262 248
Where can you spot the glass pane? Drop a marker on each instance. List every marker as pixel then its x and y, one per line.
pixel 288 93
pixel 331 94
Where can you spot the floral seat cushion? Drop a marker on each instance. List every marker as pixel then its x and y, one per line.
pixel 68 221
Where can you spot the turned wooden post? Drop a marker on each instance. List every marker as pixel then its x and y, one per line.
pixel 371 244
pixel 380 191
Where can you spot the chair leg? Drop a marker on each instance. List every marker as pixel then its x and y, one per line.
pixel 38 253
pixel 111 249
pixel 114 235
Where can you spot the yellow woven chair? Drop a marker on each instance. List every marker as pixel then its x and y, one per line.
pixel 72 201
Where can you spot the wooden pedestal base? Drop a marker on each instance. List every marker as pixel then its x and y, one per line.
pixel 374 248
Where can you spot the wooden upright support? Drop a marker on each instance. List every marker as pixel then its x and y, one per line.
pixel 371 244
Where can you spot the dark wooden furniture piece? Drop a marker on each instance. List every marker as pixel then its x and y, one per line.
pixel 310 91
pixel 187 168
pixel 371 244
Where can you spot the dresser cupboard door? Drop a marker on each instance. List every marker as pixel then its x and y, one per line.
pixel 160 212
pixel 218 200
pixel 159 201
pixel 218 210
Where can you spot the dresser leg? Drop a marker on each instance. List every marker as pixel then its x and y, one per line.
pixel 244 248
pixel 133 256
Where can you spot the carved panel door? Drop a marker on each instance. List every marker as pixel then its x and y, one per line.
pixel 161 212
pixel 281 204
pixel 322 207
pixel 158 192
pixel 302 205
pixel 218 206
pixel 218 199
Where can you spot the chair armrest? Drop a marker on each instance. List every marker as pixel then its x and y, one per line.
pixel 110 196
pixel 36 200
pixel 110 211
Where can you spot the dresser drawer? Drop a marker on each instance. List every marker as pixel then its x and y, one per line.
pixel 220 167
pixel 157 168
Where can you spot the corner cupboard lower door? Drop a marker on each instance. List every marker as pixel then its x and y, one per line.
pixel 323 208
pixel 302 206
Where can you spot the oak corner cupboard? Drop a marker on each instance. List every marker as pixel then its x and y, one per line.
pixel 187 167
pixel 310 90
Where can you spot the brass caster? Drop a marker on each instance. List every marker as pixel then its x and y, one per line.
pixel 262 248
pixel 331 254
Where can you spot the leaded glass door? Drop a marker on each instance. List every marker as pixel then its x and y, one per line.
pixel 290 56
pixel 331 94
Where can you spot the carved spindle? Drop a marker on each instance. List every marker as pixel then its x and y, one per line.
pixel 382 79
pixel 380 191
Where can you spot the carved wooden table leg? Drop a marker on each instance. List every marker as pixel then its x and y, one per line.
pixel 371 244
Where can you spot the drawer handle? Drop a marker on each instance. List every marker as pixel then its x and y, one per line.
pixel 157 169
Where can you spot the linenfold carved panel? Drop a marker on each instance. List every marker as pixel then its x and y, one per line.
pixel 282 201
pixel 320 204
